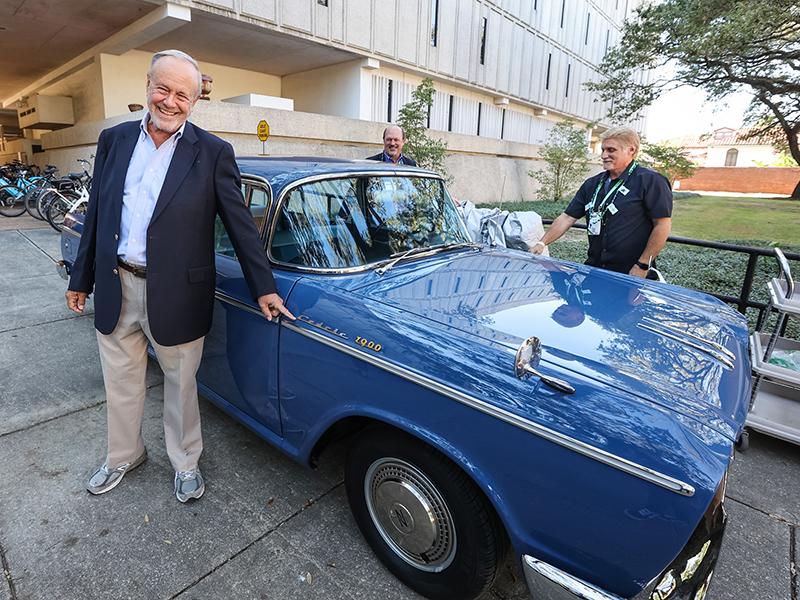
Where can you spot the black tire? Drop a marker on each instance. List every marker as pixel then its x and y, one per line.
pixel 38 188
pixel 12 201
pixel 43 201
pixel 57 209
pixel 454 551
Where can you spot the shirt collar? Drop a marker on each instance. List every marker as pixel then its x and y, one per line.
pixel 144 133
pixel 387 158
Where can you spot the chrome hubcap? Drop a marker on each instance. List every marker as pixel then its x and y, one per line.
pixel 410 514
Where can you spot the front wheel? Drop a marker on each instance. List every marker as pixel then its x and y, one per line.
pixel 423 517
pixel 12 201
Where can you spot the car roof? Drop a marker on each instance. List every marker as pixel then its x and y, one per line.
pixel 282 170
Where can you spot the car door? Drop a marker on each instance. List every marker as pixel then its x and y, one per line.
pixel 240 355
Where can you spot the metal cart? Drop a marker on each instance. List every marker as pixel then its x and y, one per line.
pixel 775 400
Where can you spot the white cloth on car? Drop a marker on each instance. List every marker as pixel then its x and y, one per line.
pixel 495 227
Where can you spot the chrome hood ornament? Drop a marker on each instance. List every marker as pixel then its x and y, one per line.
pixel 526 361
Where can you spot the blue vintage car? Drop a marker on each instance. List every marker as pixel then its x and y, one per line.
pixel 492 399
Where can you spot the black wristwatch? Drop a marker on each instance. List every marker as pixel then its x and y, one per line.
pixel 643 266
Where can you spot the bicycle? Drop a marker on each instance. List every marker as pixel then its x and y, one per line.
pixel 68 194
pixel 12 194
pixel 40 185
pixel 61 204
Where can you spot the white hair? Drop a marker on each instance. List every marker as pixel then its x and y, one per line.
pixel 626 135
pixel 182 55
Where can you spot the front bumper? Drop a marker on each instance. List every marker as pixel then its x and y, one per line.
pixel 686 578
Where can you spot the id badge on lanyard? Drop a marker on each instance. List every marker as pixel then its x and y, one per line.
pixel 595 221
pixel 595 217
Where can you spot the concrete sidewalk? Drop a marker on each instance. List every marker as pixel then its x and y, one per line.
pixel 267 527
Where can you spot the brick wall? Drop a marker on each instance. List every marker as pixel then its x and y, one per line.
pixel 764 180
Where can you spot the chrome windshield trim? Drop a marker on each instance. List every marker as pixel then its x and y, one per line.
pixel 327 176
pixel 617 462
pixel 712 343
pixel 262 182
pixel 223 297
pixel 719 356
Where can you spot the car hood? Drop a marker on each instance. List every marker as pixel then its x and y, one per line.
pixel 680 349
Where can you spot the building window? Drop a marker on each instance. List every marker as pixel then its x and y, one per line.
pixel 484 23
pixel 569 71
pixel 389 103
pixel 730 157
pixel 608 39
pixel 480 106
pixel 434 22
pixel 322 2
pixel 563 10
pixel 588 20
pixel 450 114
pixel 547 74
pixel 503 125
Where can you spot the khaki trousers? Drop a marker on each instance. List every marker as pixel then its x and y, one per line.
pixel 123 356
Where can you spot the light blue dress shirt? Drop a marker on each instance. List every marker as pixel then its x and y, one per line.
pixel 143 182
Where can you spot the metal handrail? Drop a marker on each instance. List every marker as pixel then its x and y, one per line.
pixel 743 301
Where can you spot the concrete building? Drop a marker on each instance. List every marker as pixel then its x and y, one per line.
pixel 326 74
pixel 727 147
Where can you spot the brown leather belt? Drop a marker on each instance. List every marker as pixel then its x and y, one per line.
pixel 137 270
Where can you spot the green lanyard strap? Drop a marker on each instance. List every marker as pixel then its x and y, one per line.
pixel 613 191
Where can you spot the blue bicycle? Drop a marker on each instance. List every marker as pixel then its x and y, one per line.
pixel 12 199
pixel 16 188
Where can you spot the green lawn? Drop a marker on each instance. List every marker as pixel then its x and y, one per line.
pixel 776 221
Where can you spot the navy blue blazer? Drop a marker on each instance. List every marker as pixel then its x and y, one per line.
pixel 201 182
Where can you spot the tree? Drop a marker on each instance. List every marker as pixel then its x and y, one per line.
pixel 668 160
pixel 782 160
pixel 428 152
pixel 719 46
pixel 567 156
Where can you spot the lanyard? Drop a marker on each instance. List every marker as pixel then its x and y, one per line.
pixel 603 207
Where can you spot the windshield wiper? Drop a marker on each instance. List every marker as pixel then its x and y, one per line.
pixel 398 256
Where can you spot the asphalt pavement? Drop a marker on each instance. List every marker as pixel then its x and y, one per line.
pixel 266 528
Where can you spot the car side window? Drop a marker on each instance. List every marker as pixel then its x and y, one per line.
pixel 257 199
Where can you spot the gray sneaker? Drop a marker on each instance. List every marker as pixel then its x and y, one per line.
pixel 104 479
pixel 188 485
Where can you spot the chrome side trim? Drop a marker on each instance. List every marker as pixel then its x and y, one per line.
pixel 222 297
pixel 711 343
pixel 546 582
pixel 719 356
pixel 611 460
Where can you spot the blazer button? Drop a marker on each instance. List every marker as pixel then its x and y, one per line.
pixel 115 271
pixel 116 236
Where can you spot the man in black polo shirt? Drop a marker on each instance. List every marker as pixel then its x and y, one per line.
pixel 628 209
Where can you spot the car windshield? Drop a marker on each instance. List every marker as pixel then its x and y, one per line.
pixel 356 221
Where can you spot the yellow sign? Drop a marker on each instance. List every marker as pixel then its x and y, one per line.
pixel 263 130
